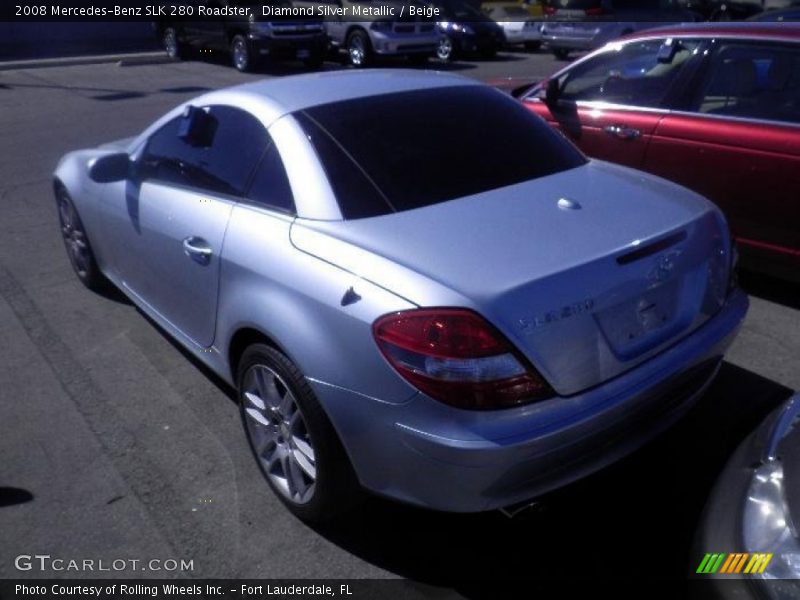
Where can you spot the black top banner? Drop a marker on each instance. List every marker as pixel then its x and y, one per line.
pixel 672 11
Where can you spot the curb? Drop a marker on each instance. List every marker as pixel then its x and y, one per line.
pixel 123 60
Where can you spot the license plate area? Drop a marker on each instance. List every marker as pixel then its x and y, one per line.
pixel 634 326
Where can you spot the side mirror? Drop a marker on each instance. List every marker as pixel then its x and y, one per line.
pixel 109 168
pixel 552 93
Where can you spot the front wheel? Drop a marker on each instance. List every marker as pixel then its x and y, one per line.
pixel 292 439
pixel 79 251
pixel 241 54
pixel 359 49
pixel 445 51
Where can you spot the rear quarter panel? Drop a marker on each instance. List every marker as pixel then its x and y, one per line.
pixel 296 300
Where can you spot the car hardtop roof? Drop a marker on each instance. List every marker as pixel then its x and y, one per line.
pixel 297 92
pixel 768 31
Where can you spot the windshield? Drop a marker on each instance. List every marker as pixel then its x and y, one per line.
pixel 397 152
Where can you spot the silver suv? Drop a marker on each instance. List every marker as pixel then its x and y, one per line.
pixel 384 35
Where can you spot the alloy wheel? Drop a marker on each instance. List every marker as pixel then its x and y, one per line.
pixel 171 43
pixel 241 56
pixel 74 237
pixel 444 51
pixel 278 434
pixel 357 51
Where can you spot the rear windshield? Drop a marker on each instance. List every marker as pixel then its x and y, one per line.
pixel 397 152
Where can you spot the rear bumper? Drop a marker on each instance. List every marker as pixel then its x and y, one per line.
pixel 523 36
pixel 390 43
pixel 425 453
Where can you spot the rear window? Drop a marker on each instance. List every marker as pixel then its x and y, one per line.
pixel 398 152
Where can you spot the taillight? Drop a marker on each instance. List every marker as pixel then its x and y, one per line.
pixel 594 12
pixel 549 11
pixel 454 355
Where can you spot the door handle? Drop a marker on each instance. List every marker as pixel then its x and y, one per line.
pixel 197 249
pixel 622 132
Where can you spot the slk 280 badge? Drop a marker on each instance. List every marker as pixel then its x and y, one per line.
pixel 528 324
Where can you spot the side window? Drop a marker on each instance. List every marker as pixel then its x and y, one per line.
pixel 270 185
pixel 638 74
pixel 752 81
pixel 223 167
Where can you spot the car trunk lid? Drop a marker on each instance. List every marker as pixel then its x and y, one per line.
pixel 588 272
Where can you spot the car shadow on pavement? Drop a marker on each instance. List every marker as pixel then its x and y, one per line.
pixel 218 382
pixel 10 496
pixel 636 518
pixel 770 288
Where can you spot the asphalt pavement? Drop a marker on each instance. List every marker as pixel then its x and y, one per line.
pixel 119 446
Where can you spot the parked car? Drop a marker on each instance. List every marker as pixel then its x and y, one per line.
pixel 461 334
pixel 466 30
pixel 565 37
pixel 747 543
pixel 519 28
pixel 778 15
pixel 710 106
pixel 735 10
pixel 248 41
pixel 575 9
pixel 415 37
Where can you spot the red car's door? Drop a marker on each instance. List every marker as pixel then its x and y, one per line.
pixel 739 145
pixel 611 103
pixel 617 134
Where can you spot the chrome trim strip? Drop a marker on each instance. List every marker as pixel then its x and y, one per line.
pixel 750 120
pixel 601 105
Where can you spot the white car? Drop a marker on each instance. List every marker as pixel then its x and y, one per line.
pixel 517 25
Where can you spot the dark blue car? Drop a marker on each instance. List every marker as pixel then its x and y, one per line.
pixel 466 30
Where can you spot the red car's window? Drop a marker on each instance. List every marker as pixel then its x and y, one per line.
pixel 631 75
pixel 753 81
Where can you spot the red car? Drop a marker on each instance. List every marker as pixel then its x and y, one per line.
pixel 714 107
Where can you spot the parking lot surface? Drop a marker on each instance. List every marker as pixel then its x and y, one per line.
pixel 126 448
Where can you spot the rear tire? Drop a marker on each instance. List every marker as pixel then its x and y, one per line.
pixel 79 251
pixel 292 439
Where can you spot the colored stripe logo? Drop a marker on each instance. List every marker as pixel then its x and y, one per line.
pixel 737 562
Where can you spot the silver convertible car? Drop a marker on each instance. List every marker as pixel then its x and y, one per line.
pixel 417 287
